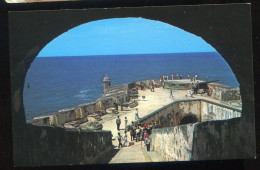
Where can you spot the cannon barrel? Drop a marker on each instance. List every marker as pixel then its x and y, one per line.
pixel 207 82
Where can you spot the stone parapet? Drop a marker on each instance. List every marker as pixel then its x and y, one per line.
pixel 175 143
pixel 45 146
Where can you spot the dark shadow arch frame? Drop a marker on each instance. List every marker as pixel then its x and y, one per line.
pixel 225 27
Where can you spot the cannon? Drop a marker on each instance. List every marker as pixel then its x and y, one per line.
pixel 202 86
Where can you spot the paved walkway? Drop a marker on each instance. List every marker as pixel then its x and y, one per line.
pixel 152 102
pixel 131 154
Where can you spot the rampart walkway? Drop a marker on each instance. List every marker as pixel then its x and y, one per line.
pixel 152 102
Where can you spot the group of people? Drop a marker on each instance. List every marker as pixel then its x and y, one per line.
pixel 138 132
pixel 118 120
pixel 178 77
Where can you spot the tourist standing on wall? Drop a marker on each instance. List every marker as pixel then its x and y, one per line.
pixel 118 122
pixel 196 77
pixel 119 140
pixel 180 77
pixel 173 76
pixel 188 76
pixel 126 122
pixel 136 114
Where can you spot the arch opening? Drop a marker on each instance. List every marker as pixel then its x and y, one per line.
pixel 190 118
pixel 153 43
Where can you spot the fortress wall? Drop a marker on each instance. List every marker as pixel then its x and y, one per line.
pixel 65 116
pixel 71 114
pixel 219 135
pixel 210 111
pixel 211 140
pixel 171 114
pixel 224 93
pixel 175 143
pixel 223 139
pixel 58 146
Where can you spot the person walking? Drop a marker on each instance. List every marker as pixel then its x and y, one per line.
pixel 136 114
pixel 118 122
pixel 119 137
pixel 181 77
pixel 126 122
pixel 171 96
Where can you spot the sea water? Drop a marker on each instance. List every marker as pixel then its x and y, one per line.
pixel 63 82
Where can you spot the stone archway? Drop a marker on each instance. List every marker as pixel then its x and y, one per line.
pixel 190 118
pixel 22 57
pixel 31 31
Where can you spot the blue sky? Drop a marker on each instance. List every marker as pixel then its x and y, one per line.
pixel 124 36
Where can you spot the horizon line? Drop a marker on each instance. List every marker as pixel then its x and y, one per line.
pixel 128 54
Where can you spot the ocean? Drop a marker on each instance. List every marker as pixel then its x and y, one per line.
pixel 63 82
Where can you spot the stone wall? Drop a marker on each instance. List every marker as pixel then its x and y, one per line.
pixel 148 83
pixel 58 146
pixel 175 143
pixel 171 115
pixel 220 136
pixel 211 140
pixel 224 93
pixel 223 139
pixel 211 111
pixel 71 114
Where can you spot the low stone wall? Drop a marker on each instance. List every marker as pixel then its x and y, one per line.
pixel 212 140
pixel 171 115
pixel 213 111
pixel 224 93
pixel 175 143
pixel 71 114
pixel 224 139
pixel 58 146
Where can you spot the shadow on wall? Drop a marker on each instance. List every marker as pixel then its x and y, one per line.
pixel 191 118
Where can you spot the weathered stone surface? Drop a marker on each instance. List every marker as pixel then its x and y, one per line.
pixel 224 93
pixel 204 110
pixel 175 143
pixel 41 145
pixel 224 139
